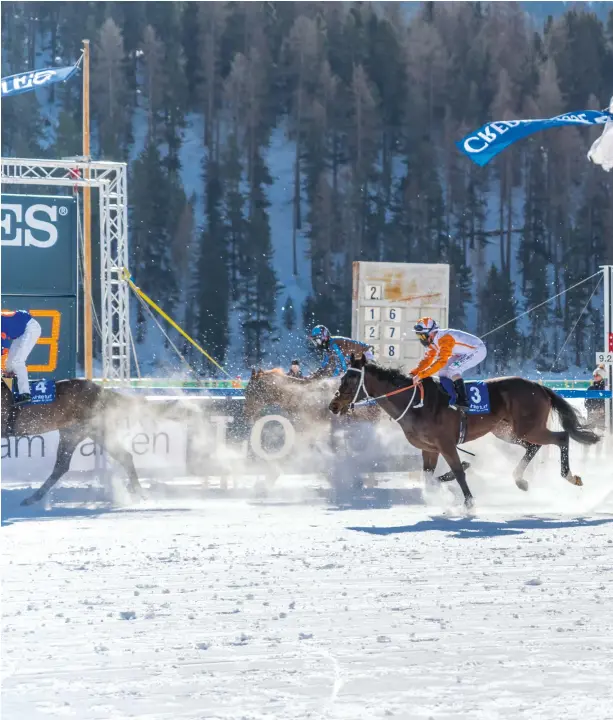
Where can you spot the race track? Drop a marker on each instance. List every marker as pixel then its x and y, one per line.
pixel 278 609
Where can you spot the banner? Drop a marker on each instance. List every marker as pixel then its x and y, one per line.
pixel 491 139
pixel 34 79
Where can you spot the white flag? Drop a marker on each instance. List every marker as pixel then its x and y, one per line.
pixel 601 152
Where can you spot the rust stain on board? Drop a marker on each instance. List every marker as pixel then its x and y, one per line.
pixel 395 292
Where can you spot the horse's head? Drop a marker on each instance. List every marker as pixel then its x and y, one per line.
pixel 352 385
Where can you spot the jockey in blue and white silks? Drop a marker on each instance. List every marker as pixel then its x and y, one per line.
pixel 20 333
pixel 336 351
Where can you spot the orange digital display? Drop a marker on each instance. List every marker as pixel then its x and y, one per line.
pixel 52 340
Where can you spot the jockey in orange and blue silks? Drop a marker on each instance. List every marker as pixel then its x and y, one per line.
pixel 337 352
pixel 450 353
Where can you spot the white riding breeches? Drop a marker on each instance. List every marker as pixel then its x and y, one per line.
pixel 18 353
pixel 459 364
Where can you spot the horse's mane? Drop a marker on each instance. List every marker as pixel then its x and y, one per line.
pixel 392 375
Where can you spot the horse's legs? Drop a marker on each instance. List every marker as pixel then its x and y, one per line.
pixel 110 443
pixel 69 439
pixel 518 474
pixel 543 436
pixel 531 450
pixel 429 461
pixel 450 453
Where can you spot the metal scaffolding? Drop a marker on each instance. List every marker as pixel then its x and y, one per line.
pixel 110 178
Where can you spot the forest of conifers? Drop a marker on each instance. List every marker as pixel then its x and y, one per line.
pixel 371 97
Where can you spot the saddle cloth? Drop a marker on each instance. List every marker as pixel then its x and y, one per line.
pixel 477 392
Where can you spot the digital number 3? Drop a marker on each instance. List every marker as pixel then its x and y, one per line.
pixel 51 340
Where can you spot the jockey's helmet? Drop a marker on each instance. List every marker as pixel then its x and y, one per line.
pixel 425 329
pixel 320 335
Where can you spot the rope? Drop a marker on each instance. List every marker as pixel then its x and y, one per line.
pixel 165 334
pixel 146 299
pixel 521 315
pixel 575 325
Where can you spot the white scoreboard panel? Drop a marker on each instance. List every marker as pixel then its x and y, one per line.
pixel 388 299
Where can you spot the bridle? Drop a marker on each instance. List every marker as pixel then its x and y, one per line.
pixel 371 400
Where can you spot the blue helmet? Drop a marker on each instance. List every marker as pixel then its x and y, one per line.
pixel 320 335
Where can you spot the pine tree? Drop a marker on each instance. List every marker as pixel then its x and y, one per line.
pixel 499 307
pixel 289 314
pixel 154 211
pixel 213 282
pixel 110 92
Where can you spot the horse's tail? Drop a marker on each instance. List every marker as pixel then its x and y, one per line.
pixel 570 420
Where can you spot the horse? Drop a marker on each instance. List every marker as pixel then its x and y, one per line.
pixel 81 410
pixel 299 398
pixel 519 412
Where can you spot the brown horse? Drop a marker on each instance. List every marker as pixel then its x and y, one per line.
pixel 81 410
pixel 519 412
pixel 300 398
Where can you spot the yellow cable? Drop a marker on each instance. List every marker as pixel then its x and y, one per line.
pixel 128 278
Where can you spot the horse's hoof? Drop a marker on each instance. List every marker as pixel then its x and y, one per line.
pixel 29 500
pixel 522 484
pixel 469 503
pixel 575 480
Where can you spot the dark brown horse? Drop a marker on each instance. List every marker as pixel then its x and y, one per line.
pixel 519 412
pixel 81 410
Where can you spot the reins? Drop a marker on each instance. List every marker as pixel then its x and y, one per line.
pixel 370 400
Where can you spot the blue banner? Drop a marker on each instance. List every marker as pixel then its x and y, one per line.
pixel 491 139
pixel 34 79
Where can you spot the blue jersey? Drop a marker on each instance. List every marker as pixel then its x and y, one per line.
pixel 13 325
pixel 336 358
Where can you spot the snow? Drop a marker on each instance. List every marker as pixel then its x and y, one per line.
pixel 294 607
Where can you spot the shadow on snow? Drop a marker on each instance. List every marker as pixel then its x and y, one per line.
pixel 470 528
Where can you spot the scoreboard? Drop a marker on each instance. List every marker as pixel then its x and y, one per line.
pixel 54 353
pixel 39 274
pixel 388 299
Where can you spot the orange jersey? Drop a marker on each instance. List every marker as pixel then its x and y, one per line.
pixel 446 344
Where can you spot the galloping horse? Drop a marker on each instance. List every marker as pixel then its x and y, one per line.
pixel 81 410
pixel 519 412
pixel 300 398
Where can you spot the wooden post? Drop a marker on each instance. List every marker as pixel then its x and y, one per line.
pixel 87 228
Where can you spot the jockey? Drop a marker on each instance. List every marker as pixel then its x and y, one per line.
pixel 20 333
pixel 450 353
pixel 337 352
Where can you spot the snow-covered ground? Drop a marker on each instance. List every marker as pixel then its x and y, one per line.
pixel 292 607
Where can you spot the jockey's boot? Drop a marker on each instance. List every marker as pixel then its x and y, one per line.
pixel 460 391
pixel 23 398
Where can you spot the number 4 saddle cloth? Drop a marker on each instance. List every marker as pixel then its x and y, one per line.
pixel 42 391
pixel 477 393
